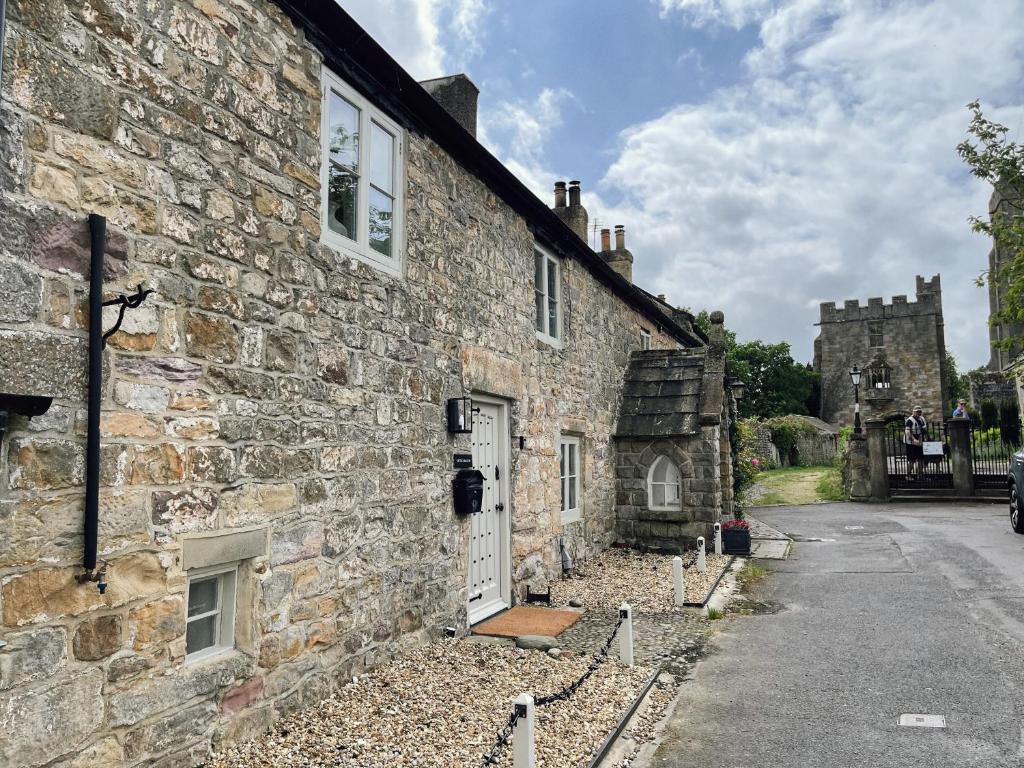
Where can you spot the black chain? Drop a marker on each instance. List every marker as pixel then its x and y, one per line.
pixel 492 757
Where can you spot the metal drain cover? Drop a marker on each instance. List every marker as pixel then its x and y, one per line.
pixel 923 721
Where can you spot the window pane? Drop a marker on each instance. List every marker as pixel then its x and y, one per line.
pixel 552 299
pixel 344 132
pixel 658 492
pixel 341 202
pixel 572 492
pixel 659 471
pixel 564 481
pixel 201 633
pixel 540 311
pixel 538 271
pixel 572 458
pixel 672 493
pixel 202 596
pixel 381 215
pixel 382 154
pixel 565 447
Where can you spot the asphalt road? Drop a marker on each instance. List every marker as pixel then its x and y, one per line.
pixel 898 609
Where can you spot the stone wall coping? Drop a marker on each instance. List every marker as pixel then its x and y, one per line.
pixel 204 550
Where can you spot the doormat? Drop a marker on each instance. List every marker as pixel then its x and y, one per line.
pixel 526 620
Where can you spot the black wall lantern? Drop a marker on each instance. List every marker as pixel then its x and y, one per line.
pixel 26 405
pixel 738 388
pixel 460 415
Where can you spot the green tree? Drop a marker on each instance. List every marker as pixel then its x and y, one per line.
pixel 777 385
pixel 957 385
pixel 1000 162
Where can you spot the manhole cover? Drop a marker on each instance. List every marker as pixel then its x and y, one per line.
pixel 923 721
pixel 854 527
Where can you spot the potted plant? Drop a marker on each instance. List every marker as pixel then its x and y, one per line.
pixel 736 535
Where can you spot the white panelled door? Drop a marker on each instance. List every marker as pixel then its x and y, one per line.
pixel 489 574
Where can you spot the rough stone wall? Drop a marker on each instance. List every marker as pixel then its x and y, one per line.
pixel 913 346
pixel 700 466
pixel 857 469
pixel 269 383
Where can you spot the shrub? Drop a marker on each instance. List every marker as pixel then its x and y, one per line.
pixel 786 431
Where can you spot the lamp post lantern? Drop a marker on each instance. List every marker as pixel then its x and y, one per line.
pixel 855 378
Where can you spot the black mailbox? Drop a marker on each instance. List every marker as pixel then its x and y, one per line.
pixel 469 491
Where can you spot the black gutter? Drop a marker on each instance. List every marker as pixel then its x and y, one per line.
pixel 98 238
pixel 349 51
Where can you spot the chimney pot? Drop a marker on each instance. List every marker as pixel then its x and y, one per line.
pixel 620 237
pixel 606 239
pixel 559 194
pixel 661 297
pixel 574 193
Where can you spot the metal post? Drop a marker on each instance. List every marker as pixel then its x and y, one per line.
pixel 856 410
pixel 677 580
pixel 626 635
pixel 718 538
pixel 702 563
pixel 524 754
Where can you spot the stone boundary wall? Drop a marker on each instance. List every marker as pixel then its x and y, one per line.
pixel 269 384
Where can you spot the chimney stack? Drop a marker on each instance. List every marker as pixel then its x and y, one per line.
pixel 559 194
pixel 574 215
pixel 621 260
pixel 458 95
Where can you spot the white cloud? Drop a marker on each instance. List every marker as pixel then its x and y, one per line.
pixel 414 31
pixel 733 13
pixel 830 170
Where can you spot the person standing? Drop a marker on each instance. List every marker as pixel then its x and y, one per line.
pixel 915 433
pixel 960 412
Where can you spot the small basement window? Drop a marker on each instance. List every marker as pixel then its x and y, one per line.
pixel 663 485
pixel 210 623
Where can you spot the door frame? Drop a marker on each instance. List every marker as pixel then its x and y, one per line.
pixel 504 489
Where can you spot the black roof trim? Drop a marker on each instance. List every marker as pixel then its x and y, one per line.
pixel 350 51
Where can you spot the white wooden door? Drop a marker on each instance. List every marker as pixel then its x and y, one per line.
pixel 489 575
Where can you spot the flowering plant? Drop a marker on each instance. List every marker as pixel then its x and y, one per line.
pixel 736 525
pixel 755 461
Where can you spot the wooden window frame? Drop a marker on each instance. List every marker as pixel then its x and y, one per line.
pixel 360 247
pixel 651 484
pixel 645 339
pixel 567 444
pixel 544 290
pixel 227 597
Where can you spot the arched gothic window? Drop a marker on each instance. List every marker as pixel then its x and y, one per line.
pixel 879 375
pixel 663 486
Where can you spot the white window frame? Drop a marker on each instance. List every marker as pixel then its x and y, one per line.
pixel 570 443
pixel 360 248
pixel 227 595
pixel 545 290
pixel 645 339
pixel 651 483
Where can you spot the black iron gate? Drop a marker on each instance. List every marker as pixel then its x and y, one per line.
pixel 990 457
pixel 933 472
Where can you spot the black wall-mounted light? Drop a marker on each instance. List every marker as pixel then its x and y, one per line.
pixel 738 388
pixel 460 415
pixel 26 405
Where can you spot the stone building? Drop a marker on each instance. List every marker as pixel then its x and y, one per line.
pixel 333 258
pixel 899 346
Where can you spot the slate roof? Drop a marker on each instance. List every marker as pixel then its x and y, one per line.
pixel 661 393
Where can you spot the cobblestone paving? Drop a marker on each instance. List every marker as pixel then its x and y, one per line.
pixel 673 641
pixel 759 530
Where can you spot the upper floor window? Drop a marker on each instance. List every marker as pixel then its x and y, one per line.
pixel 569 448
pixel 876 338
pixel 663 485
pixel 361 178
pixel 547 294
pixel 879 375
pixel 645 339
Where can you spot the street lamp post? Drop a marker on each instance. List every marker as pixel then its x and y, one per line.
pixel 855 378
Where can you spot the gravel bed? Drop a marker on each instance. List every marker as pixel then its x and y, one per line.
pixel 644 580
pixel 443 705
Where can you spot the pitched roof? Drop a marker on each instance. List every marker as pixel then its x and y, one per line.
pixel 349 51
pixel 661 395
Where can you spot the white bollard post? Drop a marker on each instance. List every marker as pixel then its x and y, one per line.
pixel 718 538
pixel 524 754
pixel 626 635
pixel 702 563
pixel 677 580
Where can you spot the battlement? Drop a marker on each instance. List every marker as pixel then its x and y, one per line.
pixel 929 302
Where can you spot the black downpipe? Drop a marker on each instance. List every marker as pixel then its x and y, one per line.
pixel 98 239
pixel 3 19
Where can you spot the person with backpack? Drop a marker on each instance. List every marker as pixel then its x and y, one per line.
pixel 915 433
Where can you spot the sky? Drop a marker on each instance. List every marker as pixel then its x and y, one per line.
pixel 764 156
